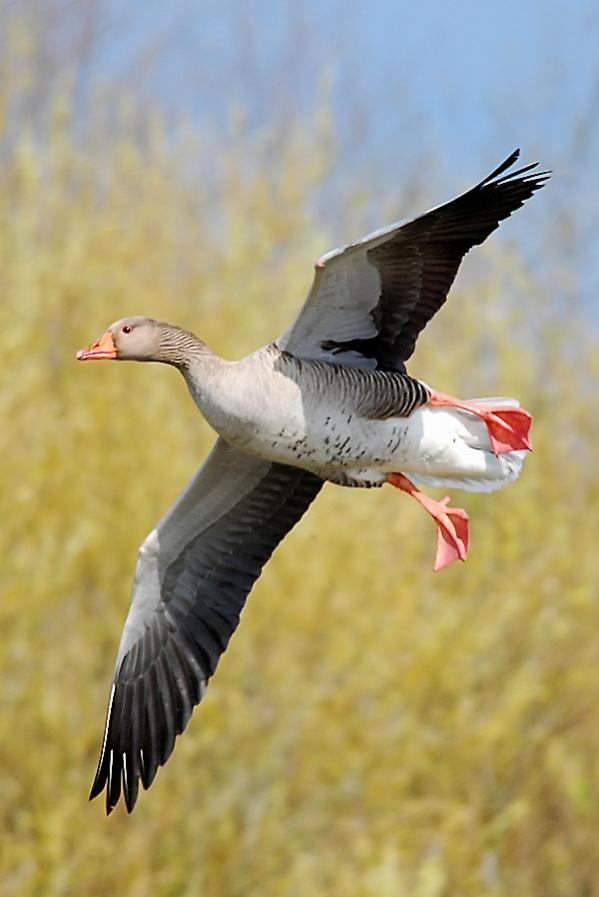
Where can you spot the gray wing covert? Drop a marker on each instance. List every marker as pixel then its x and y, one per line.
pixel 193 575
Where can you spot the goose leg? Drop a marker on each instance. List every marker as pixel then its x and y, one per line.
pixel 508 426
pixel 452 523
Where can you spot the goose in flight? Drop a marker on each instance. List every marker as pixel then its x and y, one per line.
pixel 330 401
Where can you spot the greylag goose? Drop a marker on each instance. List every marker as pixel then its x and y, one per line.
pixel 330 401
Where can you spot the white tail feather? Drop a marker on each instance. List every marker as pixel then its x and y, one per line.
pixel 455 450
pixel 511 464
pixel 496 400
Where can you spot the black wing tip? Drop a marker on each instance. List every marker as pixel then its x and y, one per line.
pixel 101 776
pixel 525 175
pixel 131 793
pixel 120 776
pixel 100 783
pixel 507 163
pixel 96 789
pixel 130 790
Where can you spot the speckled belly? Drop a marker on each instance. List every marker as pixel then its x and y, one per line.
pixel 338 443
pixel 352 450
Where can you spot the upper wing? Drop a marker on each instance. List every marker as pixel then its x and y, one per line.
pixel 370 300
pixel 194 572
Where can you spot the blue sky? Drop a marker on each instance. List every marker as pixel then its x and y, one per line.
pixel 467 72
pixel 461 83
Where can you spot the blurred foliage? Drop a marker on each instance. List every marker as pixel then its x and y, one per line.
pixel 374 730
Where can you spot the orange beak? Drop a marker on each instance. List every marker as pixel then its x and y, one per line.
pixel 102 348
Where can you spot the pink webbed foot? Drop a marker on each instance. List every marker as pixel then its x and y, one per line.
pixel 452 534
pixel 452 523
pixel 508 426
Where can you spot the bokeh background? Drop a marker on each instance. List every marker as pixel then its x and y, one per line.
pixel 374 730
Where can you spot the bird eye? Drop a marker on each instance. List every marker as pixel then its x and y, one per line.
pixel 126 329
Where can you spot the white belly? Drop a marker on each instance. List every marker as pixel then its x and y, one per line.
pixel 272 418
pixel 435 446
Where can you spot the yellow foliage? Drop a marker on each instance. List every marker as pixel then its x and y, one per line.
pixel 374 730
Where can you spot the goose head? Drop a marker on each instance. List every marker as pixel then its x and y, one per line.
pixel 144 339
pixel 130 339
